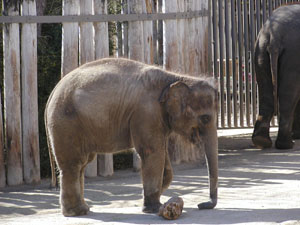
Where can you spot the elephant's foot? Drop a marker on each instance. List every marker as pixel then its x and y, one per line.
pixel 282 143
pixel 151 208
pixel 261 137
pixel 207 205
pixel 262 141
pixel 79 210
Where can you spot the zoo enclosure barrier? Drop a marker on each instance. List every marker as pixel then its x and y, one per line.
pixel 172 34
pixel 235 26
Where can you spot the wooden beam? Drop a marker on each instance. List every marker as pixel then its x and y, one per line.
pixel 105 162
pixel 30 131
pixel 70 36
pixel 12 100
pixel 87 54
pixel 102 18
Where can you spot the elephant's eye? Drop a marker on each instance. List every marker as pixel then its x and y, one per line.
pixel 205 119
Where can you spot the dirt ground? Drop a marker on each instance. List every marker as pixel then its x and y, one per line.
pixel 255 187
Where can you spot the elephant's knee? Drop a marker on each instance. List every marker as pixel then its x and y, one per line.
pixel 167 178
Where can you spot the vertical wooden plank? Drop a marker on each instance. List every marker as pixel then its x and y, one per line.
pixel 234 69
pixel 118 5
pixel 101 31
pixel 125 28
pixel 105 162
pixel 2 167
pixel 182 39
pixel 171 62
pixel 148 33
pixel 31 155
pixel 136 50
pixel 12 99
pixel 155 32
pixel 135 32
pixel 240 55
pixel 70 34
pixel 86 41
pixel 87 54
pixel 203 39
pixel 160 35
pixel 191 57
pixel 171 56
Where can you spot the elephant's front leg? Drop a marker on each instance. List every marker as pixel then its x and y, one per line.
pixel 153 161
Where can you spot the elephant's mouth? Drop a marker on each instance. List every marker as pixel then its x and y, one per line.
pixel 196 135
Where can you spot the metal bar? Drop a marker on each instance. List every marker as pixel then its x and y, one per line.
pixel 234 77
pixel 240 53
pixel 264 9
pixel 246 62
pixel 215 39
pixel 258 16
pixel 104 18
pixel 270 7
pixel 228 75
pixel 252 43
pixel 221 40
pixel 210 40
pixel 215 44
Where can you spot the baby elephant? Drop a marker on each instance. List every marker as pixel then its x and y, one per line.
pixel 111 105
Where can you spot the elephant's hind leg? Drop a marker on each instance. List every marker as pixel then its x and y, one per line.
pixel 288 99
pixel 71 198
pixel 261 137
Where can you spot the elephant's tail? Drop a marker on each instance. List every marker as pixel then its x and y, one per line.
pixel 54 182
pixel 274 55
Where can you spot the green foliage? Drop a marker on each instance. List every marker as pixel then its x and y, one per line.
pixel 49 72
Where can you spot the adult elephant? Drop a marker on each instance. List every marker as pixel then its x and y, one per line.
pixel 277 66
pixel 114 104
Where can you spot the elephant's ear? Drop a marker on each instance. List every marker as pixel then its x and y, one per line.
pixel 175 98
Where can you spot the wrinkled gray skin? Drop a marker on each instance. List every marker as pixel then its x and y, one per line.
pixel 277 66
pixel 115 104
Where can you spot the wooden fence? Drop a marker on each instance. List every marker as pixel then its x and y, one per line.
pixel 173 34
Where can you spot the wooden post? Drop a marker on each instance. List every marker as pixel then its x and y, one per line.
pixel 136 51
pixel 125 28
pixel 31 154
pixel 135 32
pixel 160 35
pixel 2 167
pixel 105 162
pixel 148 34
pixel 12 93
pixel 171 56
pixel 87 54
pixel 101 31
pixel 70 37
pixel 203 41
